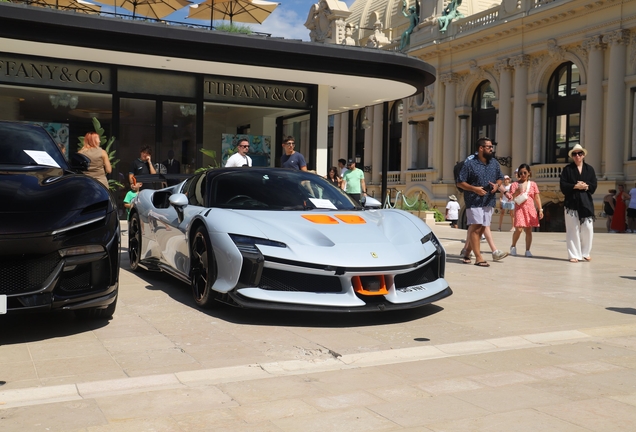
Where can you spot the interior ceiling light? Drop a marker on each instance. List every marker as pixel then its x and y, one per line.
pixel 64 100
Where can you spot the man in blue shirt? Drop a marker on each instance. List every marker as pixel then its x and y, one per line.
pixel 480 178
pixel 291 158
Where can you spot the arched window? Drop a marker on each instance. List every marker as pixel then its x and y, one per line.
pixel 395 137
pixel 564 113
pixel 484 115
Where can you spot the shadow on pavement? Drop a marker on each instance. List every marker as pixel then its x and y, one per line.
pixel 629 311
pixel 32 327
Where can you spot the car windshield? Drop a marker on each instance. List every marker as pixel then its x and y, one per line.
pixel 24 144
pixel 276 189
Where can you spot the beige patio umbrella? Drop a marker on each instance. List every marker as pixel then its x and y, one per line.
pixel 245 11
pixel 75 5
pixel 156 9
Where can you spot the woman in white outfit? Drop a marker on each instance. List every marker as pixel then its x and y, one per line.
pixel 578 183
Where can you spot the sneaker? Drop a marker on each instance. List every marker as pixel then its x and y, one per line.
pixel 528 254
pixel 512 229
pixel 483 238
pixel 499 255
pixel 513 251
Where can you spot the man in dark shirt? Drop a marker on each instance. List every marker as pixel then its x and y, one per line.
pixel 480 178
pixel 142 165
pixel 291 158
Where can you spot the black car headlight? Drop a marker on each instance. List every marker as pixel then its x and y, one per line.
pixel 81 250
pixel 431 237
pixel 78 225
pixel 249 243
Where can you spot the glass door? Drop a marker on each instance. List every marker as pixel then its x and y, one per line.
pixel 177 148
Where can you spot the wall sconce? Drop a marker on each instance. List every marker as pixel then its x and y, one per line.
pixel 64 100
pixel 366 124
pixel 358 159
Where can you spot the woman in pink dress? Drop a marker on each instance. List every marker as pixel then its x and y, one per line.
pixel 526 216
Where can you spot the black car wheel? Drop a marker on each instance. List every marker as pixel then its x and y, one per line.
pixel 203 269
pixel 134 242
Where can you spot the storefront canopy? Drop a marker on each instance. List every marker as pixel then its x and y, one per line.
pixel 355 76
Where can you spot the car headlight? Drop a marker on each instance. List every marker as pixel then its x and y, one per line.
pixel 77 225
pixel 249 243
pixel 81 250
pixel 431 237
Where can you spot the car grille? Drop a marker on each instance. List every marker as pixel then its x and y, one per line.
pixel 280 280
pixel 80 281
pixel 424 274
pixel 26 275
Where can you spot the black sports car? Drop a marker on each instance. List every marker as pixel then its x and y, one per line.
pixel 59 230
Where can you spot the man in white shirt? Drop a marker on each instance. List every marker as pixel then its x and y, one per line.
pixel 240 158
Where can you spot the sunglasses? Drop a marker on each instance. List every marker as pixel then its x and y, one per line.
pixel 578 154
pixel 243 146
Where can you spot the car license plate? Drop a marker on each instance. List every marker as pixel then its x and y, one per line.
pixel 3 304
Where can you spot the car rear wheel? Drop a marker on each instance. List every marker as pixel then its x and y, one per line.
pixel 134 242
pixel 203 269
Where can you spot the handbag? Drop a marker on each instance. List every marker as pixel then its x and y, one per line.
pixel 522 197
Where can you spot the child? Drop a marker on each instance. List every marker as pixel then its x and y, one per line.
pixel 130 196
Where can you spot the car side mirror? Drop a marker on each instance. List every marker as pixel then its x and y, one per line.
pixel 179 202
pixel 79 162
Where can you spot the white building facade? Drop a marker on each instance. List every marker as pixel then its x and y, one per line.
pixel 536 76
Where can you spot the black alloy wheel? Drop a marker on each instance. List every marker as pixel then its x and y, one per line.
pixel 203 269
pixel 134 242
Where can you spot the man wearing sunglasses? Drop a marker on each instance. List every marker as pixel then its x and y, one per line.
pixel 291 158
pixel 240 158
pixel 480 178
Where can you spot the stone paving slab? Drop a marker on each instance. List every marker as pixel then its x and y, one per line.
pixel 527 344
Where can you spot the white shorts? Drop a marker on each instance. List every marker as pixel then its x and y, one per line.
pixel 479 216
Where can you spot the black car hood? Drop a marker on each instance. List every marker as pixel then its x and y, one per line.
pixel 41 199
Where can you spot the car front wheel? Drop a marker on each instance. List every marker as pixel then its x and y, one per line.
pixel 203 269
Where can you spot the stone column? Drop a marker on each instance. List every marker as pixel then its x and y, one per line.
pixel 536 132
pixel 431 142
pixel 504 118
pixel 615 133
pixel 594 102
pixel 322 114
pixel 520 112
pixel 411 162
pixel 463 136
pixel 448 151
pixel 376 168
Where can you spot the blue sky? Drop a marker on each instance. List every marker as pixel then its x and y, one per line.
pixel 286 21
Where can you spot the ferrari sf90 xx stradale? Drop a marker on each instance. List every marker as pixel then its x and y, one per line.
pixel 282 239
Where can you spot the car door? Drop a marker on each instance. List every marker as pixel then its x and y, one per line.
pixel 171 232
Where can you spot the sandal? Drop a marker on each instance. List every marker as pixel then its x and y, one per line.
pixel 573 260
pixel 482 264
pixel 466 260
pixel 587 258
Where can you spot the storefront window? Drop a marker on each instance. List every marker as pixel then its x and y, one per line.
pixel 177 152
pixel 66 115
pixel 137 129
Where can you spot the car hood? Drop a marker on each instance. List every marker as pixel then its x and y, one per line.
pixel 357 238
pixel 38 199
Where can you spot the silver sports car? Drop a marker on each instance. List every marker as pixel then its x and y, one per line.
pixel 282 239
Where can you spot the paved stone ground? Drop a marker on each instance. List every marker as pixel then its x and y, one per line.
pixel 529 344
